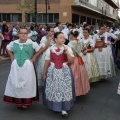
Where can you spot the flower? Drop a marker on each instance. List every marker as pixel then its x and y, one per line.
pixel 74 30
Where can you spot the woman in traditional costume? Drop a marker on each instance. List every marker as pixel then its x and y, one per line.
pixel 88 46
pixel 59 84
pixel 80 75
pixel 21 88
pixel 103 54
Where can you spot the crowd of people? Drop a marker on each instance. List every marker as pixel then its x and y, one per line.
pixel 69 58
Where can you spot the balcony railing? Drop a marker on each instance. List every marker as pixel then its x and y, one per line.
pixel 117 3
pixel 90 5
pixel 97 9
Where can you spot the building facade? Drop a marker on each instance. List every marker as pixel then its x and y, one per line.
pixel 73 11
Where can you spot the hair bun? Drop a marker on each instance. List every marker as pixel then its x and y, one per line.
pixel 73 31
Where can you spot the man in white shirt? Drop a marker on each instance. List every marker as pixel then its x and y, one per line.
pixel 56 29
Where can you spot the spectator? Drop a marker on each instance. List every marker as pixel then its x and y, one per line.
pixel 34 34
pixel 15 32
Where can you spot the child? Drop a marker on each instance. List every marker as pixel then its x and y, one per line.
pixel 21 87
pixel 79 71
pixel 59 92
pixel 88 46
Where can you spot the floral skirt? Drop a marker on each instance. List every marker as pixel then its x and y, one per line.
pixel 59 93
pixel 91 67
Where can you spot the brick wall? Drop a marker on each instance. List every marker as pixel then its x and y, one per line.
pixel 10 1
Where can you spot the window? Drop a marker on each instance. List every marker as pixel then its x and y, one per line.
pixel 33 18
pixel 11 17
pixel 14 18
pixel 83 19
pixel 50 18
pixel 0 18
pixel 104 22
pixel 75 18
pixel 8 17
pixel 20 17
pixel 41 17
pixel 93 21
pixel 4 16
pixel 98 21
pixel 28 18
pixel 44 18
pixel 89 20
pixel 56 17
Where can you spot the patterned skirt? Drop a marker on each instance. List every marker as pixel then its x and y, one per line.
pixel 91 67
pixel 105 62
pixel 59 93
pixel 40 67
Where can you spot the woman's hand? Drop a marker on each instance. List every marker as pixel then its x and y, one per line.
pixel 33 59
pixel 49 39
pixel 85 52
pixel 12 59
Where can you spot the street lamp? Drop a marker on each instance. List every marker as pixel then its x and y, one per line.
pixel 35 12
pixel 105 16
pixel 102 17
pixel 47 3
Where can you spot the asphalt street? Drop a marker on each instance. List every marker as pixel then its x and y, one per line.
pixel 101 103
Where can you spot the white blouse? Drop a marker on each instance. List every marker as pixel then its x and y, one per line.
pixel 36 47
pixel 43 41
pixel 86 42
pixel 53 48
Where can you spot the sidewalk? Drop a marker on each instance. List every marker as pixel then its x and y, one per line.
pixel 4 58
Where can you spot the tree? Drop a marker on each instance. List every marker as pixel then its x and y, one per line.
pixel 117 23
pixel 26 7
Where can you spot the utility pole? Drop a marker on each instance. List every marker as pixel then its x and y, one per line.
pixel 102 17
pixel 35 13
pixel 46 2
pixel 105 16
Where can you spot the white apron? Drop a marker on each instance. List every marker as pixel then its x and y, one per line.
pixel 21 81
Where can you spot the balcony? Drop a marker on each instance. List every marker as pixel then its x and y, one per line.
pixel 113 3
pixel 97 9
pixel 85 3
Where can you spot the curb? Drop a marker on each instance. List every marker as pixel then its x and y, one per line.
pixel 4 59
